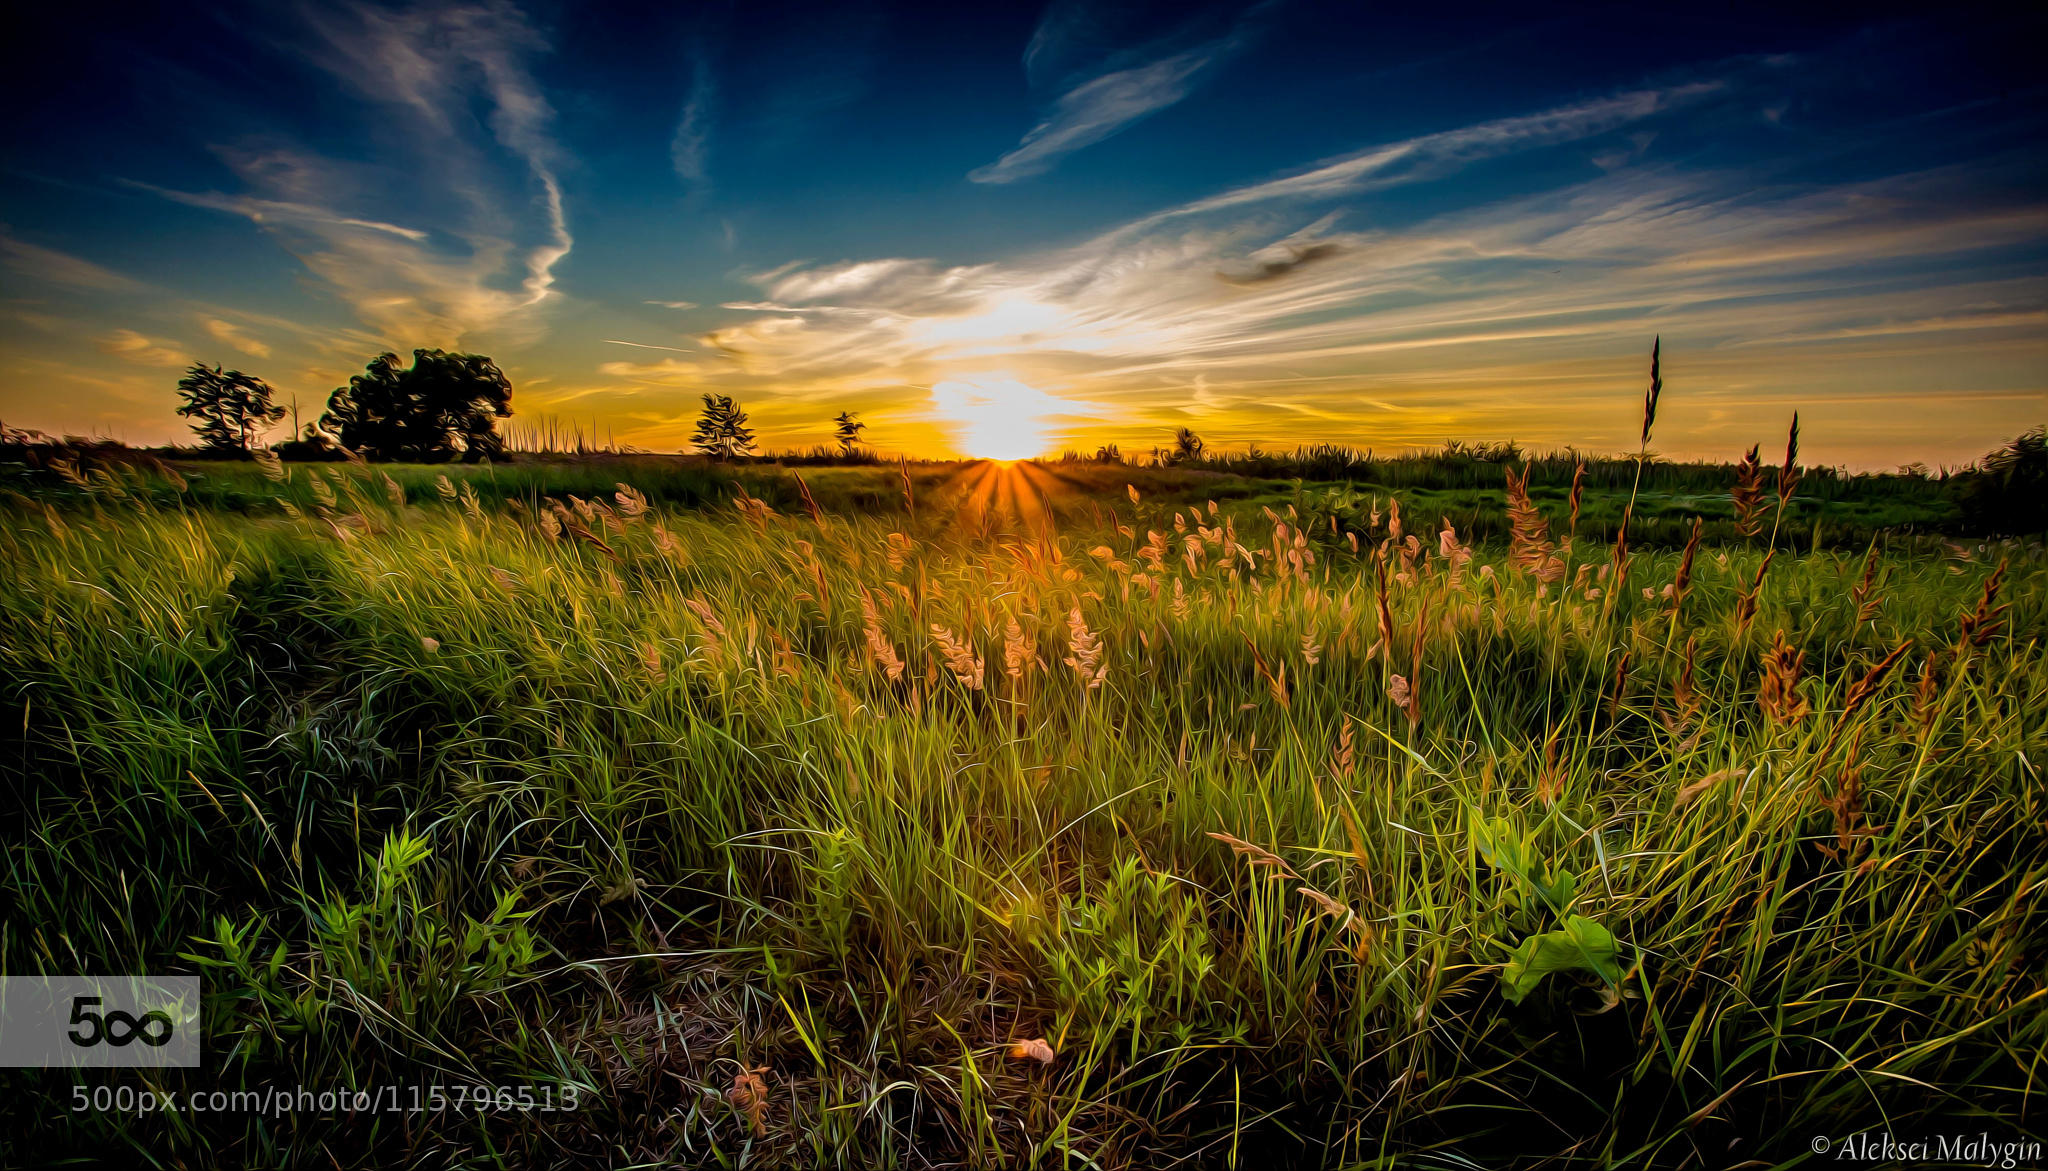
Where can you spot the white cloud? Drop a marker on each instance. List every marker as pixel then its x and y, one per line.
pixel 131 346
pixel 229 332
pixel 479 251
pixel 1460 324
pixel 670 371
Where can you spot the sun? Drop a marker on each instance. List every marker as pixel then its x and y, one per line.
pixel 996 418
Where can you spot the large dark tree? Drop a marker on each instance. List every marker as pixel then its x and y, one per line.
pixel 229 408
pixel 442 407
pixel 2007 491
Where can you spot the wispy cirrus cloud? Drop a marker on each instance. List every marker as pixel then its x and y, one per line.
pixel 1109 102
pixel 62 268
pixel 689 148
pixel 1434 156
pixel 613 341
pixel 453 228
pixel 1092 112
pixel 1523 315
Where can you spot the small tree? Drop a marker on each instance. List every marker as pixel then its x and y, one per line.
pixel 442 406
pixel 230 407
pixel 722 431
pixel 1187 446
pixel 847 431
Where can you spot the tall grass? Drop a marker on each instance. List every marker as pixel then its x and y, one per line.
pixel 789 836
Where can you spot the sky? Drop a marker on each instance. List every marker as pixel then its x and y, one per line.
pixel 1003 230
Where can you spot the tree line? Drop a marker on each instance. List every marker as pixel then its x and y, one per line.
pixel 442 407
pixel 445 406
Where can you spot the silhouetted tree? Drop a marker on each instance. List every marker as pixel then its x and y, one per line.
pixel 848 431
pixel 2007 492
pixel 722 431
pixel 1187 446
pixel 442 406
pixel 230 407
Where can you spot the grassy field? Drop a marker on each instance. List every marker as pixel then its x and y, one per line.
pixel 918 830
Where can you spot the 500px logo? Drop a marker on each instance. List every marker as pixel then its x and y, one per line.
pixel 133 1028
pixel 96 1021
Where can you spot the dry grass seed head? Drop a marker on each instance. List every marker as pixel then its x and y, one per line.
pixel 966 666
pixel 1748 494
pixel 749 1094
pixel 1257 856
pixel 1788 475
pixel 1982 624
pixel 1778 695
pixel 1748 595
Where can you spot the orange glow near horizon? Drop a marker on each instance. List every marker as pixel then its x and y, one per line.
pixel 992 491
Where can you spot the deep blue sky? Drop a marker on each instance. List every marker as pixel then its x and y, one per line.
pixel 1283 222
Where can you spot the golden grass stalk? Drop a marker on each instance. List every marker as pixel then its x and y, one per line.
pixel 1342 765
pixel 810 502
pixel 1682 581
pixel 1788 475
pixel 1778 694
pixel 1348 918
pixel 1656 390
pixel 1018 657
pixel 632 503
pixel 966 666
pixel 1982 624
pixel 1864 597
pixel 880 649
pixel 1578 491
pixel 1618 691
pixel 1748 494
pixel 1257 856
pixel 1085 655
pixel 1683 695
pixel 1860 693
pixel 1852 832
pixel 1747 596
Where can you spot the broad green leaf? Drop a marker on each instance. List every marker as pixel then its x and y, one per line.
pixel 1558 892
pixel 1499 846
pixel 1580 945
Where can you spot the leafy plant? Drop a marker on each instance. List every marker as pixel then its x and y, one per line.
pixel 1576 944
pixel 1581 945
